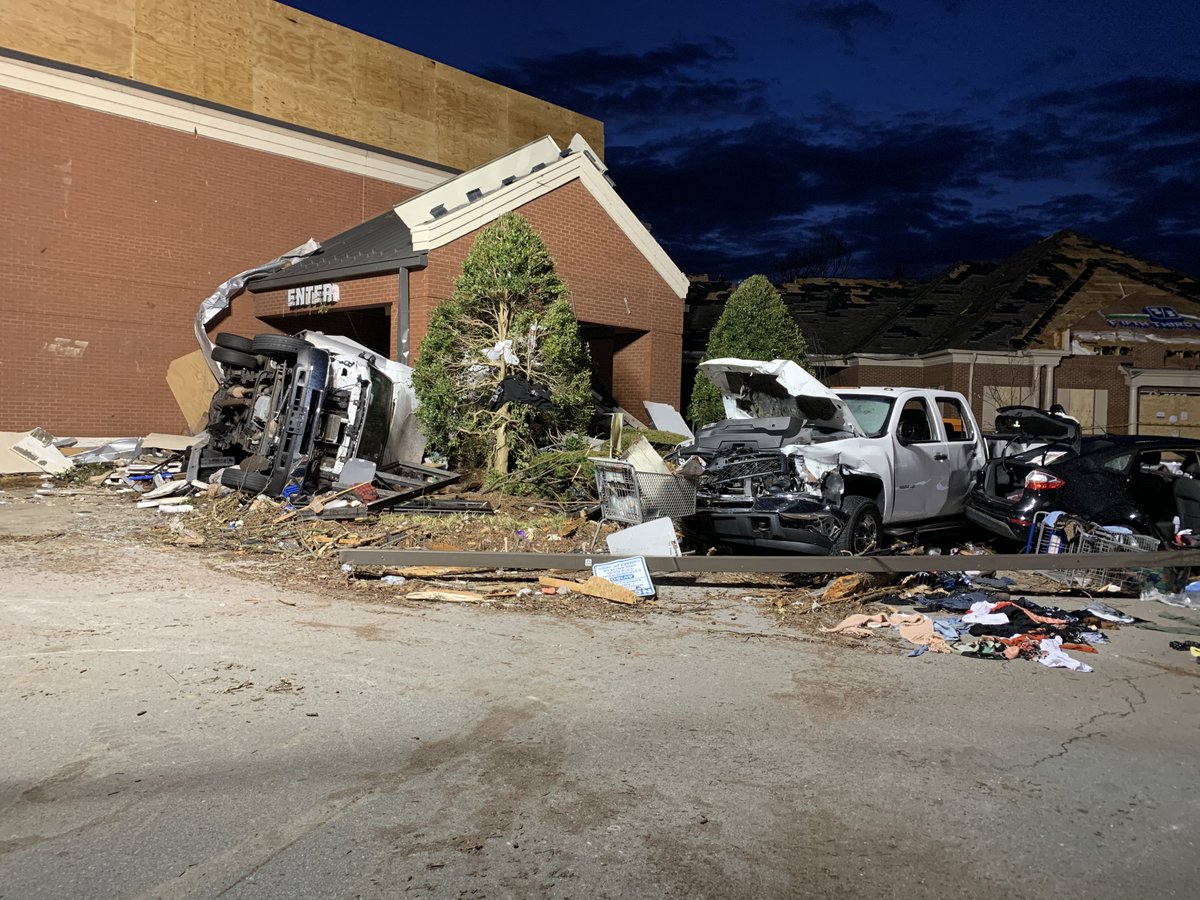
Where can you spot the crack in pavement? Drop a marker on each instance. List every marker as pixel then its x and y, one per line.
pixel 1116 714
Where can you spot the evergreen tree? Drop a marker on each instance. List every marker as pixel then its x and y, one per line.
pixel 509 315
pixel 756 324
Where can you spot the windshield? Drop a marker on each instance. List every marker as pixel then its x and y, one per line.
pixel 871 412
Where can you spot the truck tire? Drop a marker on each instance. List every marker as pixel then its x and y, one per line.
pixel 235 358
pixel 863 529
pixel 281 347
pixel 244 481
pixel 234 342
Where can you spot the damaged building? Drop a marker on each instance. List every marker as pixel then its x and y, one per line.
pixel 626 292
pixel 1112 338
pixel 154 150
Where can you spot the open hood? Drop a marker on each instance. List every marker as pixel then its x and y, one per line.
pixel 753 389
pixel 1038 425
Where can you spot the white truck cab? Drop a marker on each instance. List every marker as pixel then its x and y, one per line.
pixel 799 466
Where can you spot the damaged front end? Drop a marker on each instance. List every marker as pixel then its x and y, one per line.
pixel 776 470
pixel 770 499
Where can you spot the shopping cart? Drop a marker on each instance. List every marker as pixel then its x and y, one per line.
pixel 1053 535
pixel 633 497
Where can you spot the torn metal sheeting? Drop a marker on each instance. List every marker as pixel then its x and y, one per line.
pixel 218 301
pixel 882 565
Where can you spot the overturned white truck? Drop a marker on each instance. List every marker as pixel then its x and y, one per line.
pixel 796 466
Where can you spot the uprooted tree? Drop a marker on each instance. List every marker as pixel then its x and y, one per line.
pixel 502 369
pixel 756 324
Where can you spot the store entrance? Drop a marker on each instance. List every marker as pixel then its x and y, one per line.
pixel 371 326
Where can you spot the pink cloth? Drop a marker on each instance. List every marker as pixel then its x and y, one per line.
pixel 914 628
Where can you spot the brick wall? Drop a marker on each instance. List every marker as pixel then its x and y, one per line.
pixel 610 283
pixel 113 232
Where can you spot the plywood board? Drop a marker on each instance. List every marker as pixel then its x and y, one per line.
pixel 1183 407
pixel 97 34
pixel 267 58
pixel 193 385
pixel 164 44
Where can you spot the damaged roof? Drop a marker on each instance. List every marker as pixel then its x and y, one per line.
pixel 379 245
pixel 969 306
pixel 402 236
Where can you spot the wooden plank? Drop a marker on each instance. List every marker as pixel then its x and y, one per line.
pixel 447 596
pixel 600 588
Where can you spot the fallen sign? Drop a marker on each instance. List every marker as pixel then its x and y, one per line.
pixel 630 573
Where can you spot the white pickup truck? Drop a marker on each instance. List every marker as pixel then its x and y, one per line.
pixel 797 466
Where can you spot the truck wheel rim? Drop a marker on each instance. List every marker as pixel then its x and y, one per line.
pixel 866 535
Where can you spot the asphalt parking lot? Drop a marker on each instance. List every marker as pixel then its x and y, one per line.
pixel 178 730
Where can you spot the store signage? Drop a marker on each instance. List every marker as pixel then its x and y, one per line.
pixel 1154 317
pixel 313 295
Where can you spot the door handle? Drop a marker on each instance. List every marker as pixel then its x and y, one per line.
pixel 940 457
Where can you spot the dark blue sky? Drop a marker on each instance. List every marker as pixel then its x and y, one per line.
pixel 917 133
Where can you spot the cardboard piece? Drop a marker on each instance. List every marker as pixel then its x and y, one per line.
pixel 193 386
pixel 667 418
pixel 653 538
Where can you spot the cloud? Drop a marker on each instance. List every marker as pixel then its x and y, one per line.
pixel 1061 57
pixel 1166 105
pixel 625 88
pixel 847 18
pixel 729 184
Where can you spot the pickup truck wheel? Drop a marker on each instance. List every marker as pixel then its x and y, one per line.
pixel 279 346
pixel 244 481
pixel 234 342
pixel 863 528
pixel 235 358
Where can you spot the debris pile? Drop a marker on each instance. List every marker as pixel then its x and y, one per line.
pixel 969 614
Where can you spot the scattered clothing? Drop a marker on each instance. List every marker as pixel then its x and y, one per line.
pixel 1185 645
pixel 982 614
pixel 913 627
pixel 957 602
pixel 1054 657
pixel 988 648
pixel 951 628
